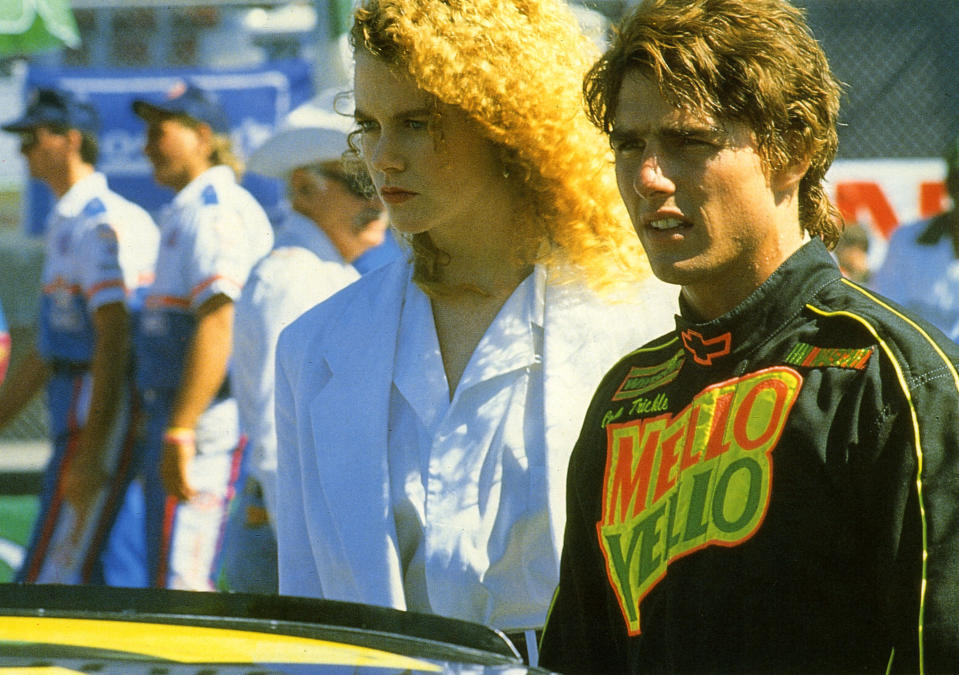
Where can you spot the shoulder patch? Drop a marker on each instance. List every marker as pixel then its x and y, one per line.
pixel 94 207
pixel 640 380
pixel 209 196
pixel 807 356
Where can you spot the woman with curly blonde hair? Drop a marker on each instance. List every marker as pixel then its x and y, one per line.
pixel 427 412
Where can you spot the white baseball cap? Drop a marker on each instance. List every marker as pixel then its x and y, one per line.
pixel 312 133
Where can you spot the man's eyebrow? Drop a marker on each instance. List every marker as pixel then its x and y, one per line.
pixel 619 134
pixel 672 130
pixel 695 128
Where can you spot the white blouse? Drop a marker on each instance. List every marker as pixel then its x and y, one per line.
pixel 468 475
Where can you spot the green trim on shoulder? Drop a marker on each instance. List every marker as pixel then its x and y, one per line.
pixel 673 339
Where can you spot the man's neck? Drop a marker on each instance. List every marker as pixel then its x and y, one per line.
pixel 73 174
pixel 351 244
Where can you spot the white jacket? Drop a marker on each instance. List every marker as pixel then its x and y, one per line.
pixel 334 371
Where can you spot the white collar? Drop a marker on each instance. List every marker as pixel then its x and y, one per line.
pixel 217 176
pixel 80 193
pixel 513 341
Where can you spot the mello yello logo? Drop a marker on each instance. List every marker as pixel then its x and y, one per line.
pixel 678 483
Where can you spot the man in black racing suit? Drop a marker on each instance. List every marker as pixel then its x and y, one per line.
pixel 774 486
pixel 746 493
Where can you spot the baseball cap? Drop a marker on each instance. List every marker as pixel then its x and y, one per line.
pixel 52 107
pixel 187 99
pixel 313 133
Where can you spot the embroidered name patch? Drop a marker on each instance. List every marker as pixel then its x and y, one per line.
pixel 641 380
pixel 678 483
pixel 808 356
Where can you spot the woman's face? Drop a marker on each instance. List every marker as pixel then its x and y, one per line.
pixel 436 178
pixel 179 152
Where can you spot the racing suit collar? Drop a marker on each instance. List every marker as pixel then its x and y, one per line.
pixel 755 320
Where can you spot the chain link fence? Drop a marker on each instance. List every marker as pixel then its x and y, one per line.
pixel 899 62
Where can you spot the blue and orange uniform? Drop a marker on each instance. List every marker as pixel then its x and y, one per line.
pixel 100 249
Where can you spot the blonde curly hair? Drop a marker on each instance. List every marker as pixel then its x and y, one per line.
pixel 516 67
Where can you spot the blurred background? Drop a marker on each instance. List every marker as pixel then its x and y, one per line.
pixel 899 111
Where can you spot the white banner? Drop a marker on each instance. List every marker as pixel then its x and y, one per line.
pixel 884 193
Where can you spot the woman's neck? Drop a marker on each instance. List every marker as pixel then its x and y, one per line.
pixel 493 255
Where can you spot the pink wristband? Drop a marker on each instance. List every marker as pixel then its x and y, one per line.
pixel 179 436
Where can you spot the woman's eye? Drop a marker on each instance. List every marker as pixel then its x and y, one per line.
pixel 417 125
pixel 365 126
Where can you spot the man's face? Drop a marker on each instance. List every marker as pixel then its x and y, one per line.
pixel 698 195
pixel 330 203
pixel 46 151
pixel 179 152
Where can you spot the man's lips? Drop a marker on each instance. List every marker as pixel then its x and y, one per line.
pixel 663 224
pixel 395 196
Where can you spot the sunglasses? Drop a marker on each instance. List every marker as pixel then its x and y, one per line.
pixel 30 137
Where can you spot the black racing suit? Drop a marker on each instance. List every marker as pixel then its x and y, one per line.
pixel 775 490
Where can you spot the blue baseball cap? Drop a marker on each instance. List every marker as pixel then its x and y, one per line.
pixel 52 107
pixel 188 100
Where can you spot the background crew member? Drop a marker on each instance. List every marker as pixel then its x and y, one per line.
pixel 100 251
pixel 921 268
pixel 335 219
pixel 212 233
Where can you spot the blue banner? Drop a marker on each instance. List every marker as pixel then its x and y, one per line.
pixel 256 99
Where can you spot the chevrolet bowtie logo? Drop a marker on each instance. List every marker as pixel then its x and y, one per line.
pixel 703 350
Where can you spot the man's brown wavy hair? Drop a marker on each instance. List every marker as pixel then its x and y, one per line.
pixel 753 61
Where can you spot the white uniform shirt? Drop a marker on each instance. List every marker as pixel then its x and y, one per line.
pixel 213 232
pixel 303 269
pixel 101 249
pixel 468 475
pixel 923 277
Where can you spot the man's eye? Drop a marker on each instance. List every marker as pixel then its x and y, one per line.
pixel 627 145
pixel 693 140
